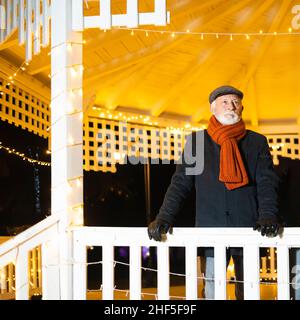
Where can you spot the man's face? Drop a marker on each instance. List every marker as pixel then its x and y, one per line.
pixel 227 109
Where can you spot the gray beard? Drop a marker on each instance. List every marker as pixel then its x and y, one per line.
pixel 225 121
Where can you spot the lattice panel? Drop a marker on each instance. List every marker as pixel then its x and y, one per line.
pixel 108 142
pixel 285 145
pixel 21 108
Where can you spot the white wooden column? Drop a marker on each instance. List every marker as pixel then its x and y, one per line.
pixel 66 134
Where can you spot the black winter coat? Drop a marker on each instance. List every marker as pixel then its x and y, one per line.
pixel 216 206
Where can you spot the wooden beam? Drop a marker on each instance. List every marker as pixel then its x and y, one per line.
pixel 199 114
pixel 196 67
pixel 127 85
pixel 156 50
pixel 265 44
pixel 10 41
pixel 8 44
pixel 40 68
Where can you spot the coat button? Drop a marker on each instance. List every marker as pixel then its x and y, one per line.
pixel 227 213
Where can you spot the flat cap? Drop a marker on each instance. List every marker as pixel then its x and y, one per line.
pixel 221 91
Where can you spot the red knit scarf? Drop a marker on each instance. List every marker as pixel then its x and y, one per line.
pixel 232 169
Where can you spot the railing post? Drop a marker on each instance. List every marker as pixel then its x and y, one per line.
pixel 80 271
pixel 220 272
pixel 3 280
pixel 191 285
pixel 50 270
pixel 22 276
pixel 108 272
pixel 251 272
pixel 163 269
pixel 135 276
pixel 283 273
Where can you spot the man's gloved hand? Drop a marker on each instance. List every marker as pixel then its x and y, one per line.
pixel 157 227
pixel 268 226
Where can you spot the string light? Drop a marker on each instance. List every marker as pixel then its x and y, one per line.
pixel 24 158
pixel 13 76
pixel 215 34
pixel 145 120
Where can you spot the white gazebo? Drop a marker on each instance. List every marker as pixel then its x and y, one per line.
pixel 81 72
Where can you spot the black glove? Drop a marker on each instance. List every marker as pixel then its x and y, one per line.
pixel 268 226
pixel 157 227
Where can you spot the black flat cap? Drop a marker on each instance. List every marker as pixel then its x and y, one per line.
pixel 221 91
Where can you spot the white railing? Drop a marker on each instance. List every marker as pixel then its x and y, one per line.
pixel 191 239
pixel 20 258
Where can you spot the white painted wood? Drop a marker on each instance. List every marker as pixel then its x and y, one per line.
pixel 191 285
pixel 251 272
pixel 37 23
pixel 22 281
pixel 3 284
pixel 21 21
pixel 66 152
pixel 50 270
pixel 160 12
pixel 163 269
pixel 131 19
pixel 28 35
pixel 220 272
pixel 77 15
pixel 2 20
pixel 105 14
pixel 80 271
pixel 8 16
pixel 46 23
pixel 108 272
pixel 132 13
pixel 283 273
pixel 15 14
pixel 39 259
pixel 34 268
pixel 7 258
pixel 10 277
pixel 135 272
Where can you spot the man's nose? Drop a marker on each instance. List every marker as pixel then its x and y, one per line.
pixel 231 106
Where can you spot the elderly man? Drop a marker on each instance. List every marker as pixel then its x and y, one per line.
pixel 237 187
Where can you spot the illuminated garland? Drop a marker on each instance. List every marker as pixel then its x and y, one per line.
pixel 214 34
pixel 12 76
pixel 22 155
